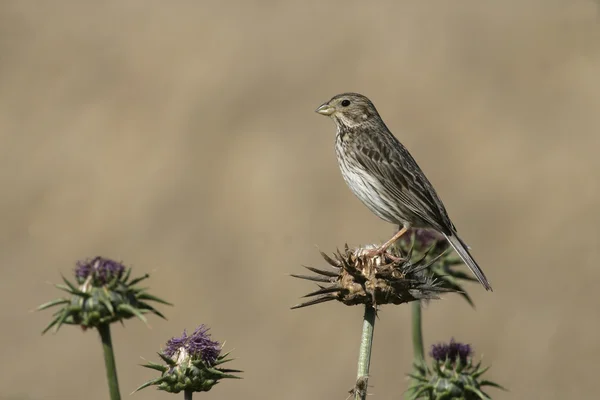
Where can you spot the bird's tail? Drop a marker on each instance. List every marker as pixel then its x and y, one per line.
pixel 461 249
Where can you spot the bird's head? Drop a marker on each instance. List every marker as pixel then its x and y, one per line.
pixel 349 109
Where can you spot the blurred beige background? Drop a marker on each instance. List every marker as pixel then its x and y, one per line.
pixel 180 137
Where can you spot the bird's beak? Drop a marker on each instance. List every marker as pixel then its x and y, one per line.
pixel 325 109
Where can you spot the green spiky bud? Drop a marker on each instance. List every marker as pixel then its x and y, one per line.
pixel 446 269
pixel 452 375
pixel 103 294
pixel 191 364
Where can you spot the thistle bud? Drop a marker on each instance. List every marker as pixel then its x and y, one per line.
pixel 191 364
pixel 446 269
pixel 452 374
pixel 102 294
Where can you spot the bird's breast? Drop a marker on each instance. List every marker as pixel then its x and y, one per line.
pixel 365 186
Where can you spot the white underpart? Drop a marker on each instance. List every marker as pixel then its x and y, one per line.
pixel 365 187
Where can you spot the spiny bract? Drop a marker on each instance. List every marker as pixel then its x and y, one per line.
pixel 452 375
pixel 103 294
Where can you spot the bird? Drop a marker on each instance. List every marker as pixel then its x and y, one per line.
pixel 382 173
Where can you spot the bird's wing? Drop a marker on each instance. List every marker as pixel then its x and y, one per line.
pixel 399 173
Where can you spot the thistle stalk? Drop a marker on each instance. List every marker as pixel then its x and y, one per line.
pixel 364 354
pixel 418 348
pixel 417 332
pixel 109 361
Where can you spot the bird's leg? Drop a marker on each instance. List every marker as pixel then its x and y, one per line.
pixel 390 242
pixel 381 249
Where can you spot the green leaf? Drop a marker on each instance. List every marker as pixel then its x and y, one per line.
pixel 149 383
pixel 168 360
pixel 75 292
pixel 52 304
pixel 138 279
pixel 126 275
pixel 69 284
pixel 478 392
pixel 421 367
pixel 229 376
pixel 107 304
pixel 52 323
pixel 133 311
pixel 221 374
pixel 466 296
pixel 421 392
pixel 63 287
pixel 147 308
pixel 112 284
pixel 147 296
pixel 480 372
pixel 222 361
pixel 492 384
pixel 155 366
pixel 418 378
pixel 58 311
pixel 224 355
pixel 485 394
pixel 74 309
pixel 61 320
pixel 451 284
pixel 229 370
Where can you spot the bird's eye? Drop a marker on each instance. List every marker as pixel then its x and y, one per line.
pixel 345 103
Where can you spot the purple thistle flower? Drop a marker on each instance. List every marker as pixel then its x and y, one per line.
pixel 198 344
pixel 102 270
pixel 192 364
pixel 452 351
pixel 452 374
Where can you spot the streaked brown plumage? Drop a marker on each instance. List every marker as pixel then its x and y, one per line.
pixel 384 176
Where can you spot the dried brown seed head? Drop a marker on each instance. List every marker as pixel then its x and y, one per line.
pixel 362 278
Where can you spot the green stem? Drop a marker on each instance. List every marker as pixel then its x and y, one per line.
pixel 417 332
pixel 187 394
pixel 417 340
pixel 364 354
pixel 109 361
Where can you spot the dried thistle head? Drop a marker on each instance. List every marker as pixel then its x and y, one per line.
pixel 361 278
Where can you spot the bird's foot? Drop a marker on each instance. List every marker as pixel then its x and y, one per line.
pixel 383 253
pixel 378 251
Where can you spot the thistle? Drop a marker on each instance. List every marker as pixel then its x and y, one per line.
pixel 359 278
pixel 191 364
pixel 452 375
pixel 445 270
pixel 102 295
pixel 431 244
